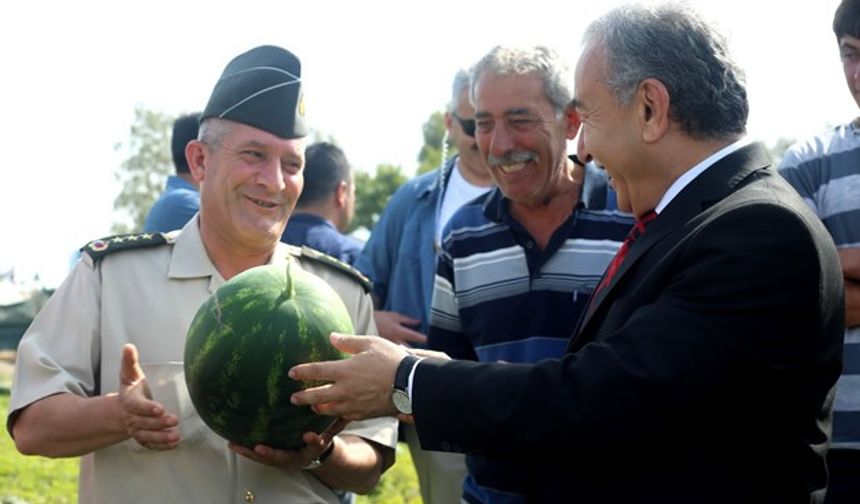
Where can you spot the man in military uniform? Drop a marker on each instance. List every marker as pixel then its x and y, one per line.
pixel 114 332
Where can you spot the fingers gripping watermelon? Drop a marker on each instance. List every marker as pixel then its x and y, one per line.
pixel 243 341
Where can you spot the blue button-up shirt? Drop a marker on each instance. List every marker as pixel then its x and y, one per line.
pixel 400 256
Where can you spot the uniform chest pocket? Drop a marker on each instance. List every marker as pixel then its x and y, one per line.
pixel 166 381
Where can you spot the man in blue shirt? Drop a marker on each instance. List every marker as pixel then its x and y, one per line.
pixel 326 205
pixel 181 198
pixel 400 259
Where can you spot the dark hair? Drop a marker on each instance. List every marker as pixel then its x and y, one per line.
pixel 846 21
pixel 325 168
pixel 184 130
pixel 673 44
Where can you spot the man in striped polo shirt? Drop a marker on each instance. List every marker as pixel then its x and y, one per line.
pixel 519 263
pixel 826 172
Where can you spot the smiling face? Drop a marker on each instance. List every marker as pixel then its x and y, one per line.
pixel 608 135
pixel 249 184
pixel 522 138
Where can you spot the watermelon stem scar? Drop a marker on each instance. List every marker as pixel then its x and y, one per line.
pixel 289 290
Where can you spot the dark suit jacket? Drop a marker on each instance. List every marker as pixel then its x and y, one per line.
pixel 703 373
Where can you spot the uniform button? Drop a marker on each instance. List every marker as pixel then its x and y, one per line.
pixel 249 496
pixel 530 244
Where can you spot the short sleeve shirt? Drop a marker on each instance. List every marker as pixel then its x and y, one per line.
pixel 148 297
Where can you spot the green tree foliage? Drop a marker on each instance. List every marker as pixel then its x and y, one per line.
pixel 372 193
pixel 144 172
pixel 430 155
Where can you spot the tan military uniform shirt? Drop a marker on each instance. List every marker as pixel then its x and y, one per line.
pixel 148 296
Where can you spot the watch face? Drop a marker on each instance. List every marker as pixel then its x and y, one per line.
pixel 401 401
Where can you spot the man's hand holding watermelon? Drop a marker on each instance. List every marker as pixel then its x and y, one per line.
pixel 360 387
pixel 316 446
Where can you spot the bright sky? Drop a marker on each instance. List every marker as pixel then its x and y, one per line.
pixel 373 72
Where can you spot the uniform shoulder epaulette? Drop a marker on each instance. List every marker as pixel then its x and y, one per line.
pixel 339 265
pixel 98 249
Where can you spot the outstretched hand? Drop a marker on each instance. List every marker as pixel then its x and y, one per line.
pixel 359 387
pixel 144 419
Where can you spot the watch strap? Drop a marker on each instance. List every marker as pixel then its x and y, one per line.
pixel 401 377
pixel 320 460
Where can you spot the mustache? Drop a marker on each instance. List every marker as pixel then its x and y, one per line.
pixel 512 157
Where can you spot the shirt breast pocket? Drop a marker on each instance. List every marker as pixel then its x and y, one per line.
pixel 166 381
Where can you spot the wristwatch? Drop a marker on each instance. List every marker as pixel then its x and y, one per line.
pixel 400 392
pixel 313 464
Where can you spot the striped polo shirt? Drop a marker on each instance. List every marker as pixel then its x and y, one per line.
pixel 826 172
pixel 498 297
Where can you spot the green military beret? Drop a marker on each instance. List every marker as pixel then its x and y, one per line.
pixel 261 88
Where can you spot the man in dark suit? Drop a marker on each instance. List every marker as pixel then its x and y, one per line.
pixel 703 369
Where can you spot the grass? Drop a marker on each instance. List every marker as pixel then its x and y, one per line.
pixel 399 484
pixel 33 480
pixel 36 480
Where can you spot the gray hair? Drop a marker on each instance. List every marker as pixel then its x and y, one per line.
pixel 461 82
pixel 676 46
pixel 552 69
pixel 213 130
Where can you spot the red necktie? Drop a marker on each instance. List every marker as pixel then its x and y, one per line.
pixel 634 234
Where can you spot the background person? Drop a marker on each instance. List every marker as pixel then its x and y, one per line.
pixel 326 206
pixel 825 170
pixel 181 197
pixel 324 210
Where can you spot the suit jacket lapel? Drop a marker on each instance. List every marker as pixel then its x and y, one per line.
pixel 711 186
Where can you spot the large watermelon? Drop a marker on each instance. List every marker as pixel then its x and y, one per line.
pixel 243 341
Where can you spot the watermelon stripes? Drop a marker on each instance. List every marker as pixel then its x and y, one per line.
pixel 242 342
